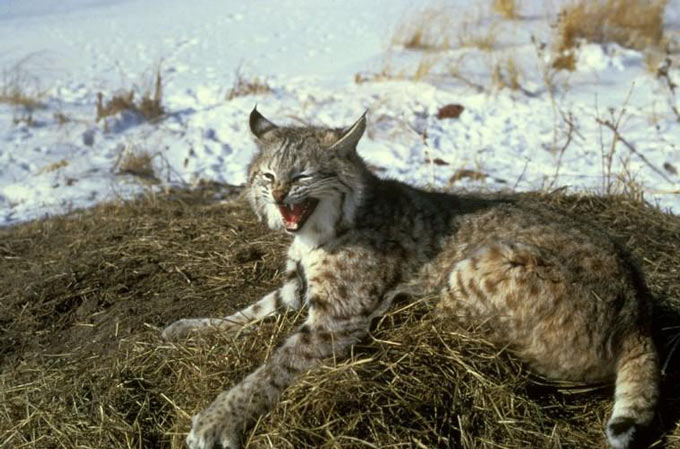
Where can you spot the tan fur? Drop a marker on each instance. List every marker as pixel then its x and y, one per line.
pixel 564 297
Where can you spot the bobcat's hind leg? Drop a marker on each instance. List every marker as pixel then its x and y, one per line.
pixel 558 325
pixel 636 392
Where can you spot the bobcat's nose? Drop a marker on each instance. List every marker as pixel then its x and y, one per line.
pixel 279 195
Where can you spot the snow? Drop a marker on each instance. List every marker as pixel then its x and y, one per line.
pixel 309 53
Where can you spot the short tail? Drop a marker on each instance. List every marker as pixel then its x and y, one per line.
pixel 636 392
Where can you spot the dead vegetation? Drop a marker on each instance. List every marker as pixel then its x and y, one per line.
pixel 149 106
pixel 437 28
pixel 636 24
pixel 83 364
pixel 473 34
pixel 506 73
pixel 426 64
pixel 19 89
pixel 444 26
pixel 428 29
pixel 245 85
pixel 506 8
pixel 136 162
pixel 22 92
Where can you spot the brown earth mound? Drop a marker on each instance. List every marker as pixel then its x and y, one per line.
pixel 84 297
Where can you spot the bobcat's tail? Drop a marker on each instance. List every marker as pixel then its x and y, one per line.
pixel 636 391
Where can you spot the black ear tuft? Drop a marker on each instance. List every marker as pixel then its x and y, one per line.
pixel 350 137
pixel 259 125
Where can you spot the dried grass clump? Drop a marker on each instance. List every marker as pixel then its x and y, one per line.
pixel 473 35
pixel 437 29
pixel 22 92
pixel 19 89
pixel 428 29
pixel 82 363
pixel 425 66
pixel 244 85
pixel 149 106
pixel 136 162
pixel 506 74
pixel 506 8
pixel 636 24
pixel 16 95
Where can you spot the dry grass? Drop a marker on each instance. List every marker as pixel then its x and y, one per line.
pixel 636 24
pixel 506 8
pixel 424 68
pixel 506 73
pixel 244 85
pixel 19 89
pixel 149 106
pixel 386 73
pixel 61 118
pixel 564 60
pixel 22 92
pixel 474 35
pixel 368 77
pixel 54 166
pixel 136 162
pixel 428 29
pixel 437 29
pixel 83 364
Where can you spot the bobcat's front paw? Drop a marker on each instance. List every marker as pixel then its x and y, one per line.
pixel 181 328
pixel 212 427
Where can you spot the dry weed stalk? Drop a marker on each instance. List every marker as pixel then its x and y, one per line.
pixel 663 74
pixel 613 124
pixel 425 66
pixel 455 70
pixel 614 127
pixel 569 120
pixel 506 73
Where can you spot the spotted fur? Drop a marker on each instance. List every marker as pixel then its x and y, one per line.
pixel 562 296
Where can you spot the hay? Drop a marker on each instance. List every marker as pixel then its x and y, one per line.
pixel 83 366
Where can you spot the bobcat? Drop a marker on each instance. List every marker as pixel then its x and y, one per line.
pixel 560 295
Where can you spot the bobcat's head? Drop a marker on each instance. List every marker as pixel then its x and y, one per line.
pixel 306 180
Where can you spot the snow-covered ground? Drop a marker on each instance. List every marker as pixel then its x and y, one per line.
pixel 310 53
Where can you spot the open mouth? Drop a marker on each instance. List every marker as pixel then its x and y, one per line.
pixel 295 215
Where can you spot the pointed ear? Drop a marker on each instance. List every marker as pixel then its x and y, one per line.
pixel 259 125
pixel 351 136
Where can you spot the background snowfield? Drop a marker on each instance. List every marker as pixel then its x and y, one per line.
pixel 310 53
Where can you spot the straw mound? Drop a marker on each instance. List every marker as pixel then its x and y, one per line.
pixel 83 365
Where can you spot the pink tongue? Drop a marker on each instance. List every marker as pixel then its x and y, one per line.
pixel 293 215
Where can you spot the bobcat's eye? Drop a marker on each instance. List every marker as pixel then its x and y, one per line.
pixel 301 177
pixel 268 176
